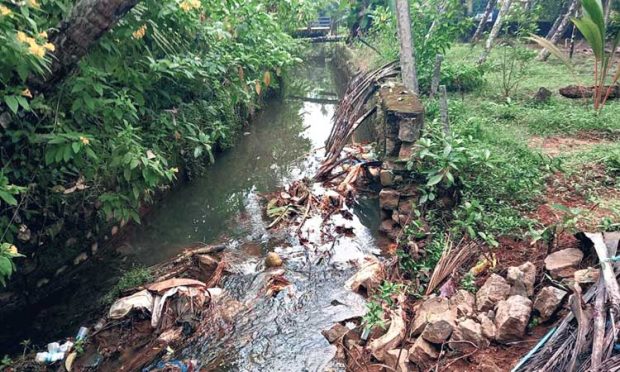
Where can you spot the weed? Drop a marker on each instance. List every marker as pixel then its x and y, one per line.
pixel 468 282
pixel 374 315
pixel 131 279
pixel 5 363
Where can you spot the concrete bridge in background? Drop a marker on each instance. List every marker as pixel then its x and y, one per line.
pixel 322 30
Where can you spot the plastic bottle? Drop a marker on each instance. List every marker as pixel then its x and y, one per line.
pixel 82 333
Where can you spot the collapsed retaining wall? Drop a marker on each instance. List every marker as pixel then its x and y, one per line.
pixel 399 125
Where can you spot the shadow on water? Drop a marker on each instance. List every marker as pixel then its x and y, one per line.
pixel 279 333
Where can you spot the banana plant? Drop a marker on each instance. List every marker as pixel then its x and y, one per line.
pixel 594 29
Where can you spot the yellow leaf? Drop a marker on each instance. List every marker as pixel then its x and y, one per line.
pixel 258 87
pixel 267 78
pixel 241 73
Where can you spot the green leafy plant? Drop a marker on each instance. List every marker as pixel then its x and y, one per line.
pixel 5 362
pixel 594 29
pixel 158 96
pixel 468 282
pixel 8 253
pixel 374 315
pixel 514 66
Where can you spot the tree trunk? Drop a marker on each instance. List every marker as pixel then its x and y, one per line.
pixel 440 9
pixel 483 21
pixel 407 51
pixel 544 54
pixel 88 22
pixel 495 30
pixel 556 24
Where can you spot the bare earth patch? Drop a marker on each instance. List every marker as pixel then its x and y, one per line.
pixel 558 145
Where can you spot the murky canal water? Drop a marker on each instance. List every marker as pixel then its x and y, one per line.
pixel 281 333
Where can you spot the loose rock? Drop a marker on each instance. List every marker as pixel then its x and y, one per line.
pixel 335 333
pixel 368 277
pixel 388 199
pixel 387 178
pixel 589 275
pixel 430 310
pixel 488 327
pixel 548 300
pixel 563 263
pixel 495 289
pixel 464 303
pixel 440 327
pixel 512 318
pixel 467 336
pixel 423 353
pixel 516 279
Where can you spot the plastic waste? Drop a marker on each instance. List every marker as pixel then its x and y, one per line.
pixel 82 333
pixel 183 366
pixel 49 358
pixel 123 306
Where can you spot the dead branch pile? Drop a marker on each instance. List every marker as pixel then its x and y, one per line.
pixel 352 112
pixel 584 340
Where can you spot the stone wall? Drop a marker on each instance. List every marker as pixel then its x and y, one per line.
pixel 399 125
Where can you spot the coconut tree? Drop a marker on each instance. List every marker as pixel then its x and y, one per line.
pixel 88 21
pixel 407 49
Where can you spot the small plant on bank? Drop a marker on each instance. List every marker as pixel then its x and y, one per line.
pixel 468 282
pixel 385 298
pixel 131 279
pixel 374 316
pixel 5 363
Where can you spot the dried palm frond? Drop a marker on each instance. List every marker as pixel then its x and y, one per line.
pixel 451 259
pixel 352 112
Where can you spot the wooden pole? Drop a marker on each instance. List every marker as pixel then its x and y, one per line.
pixel 436 75
pixel 443 109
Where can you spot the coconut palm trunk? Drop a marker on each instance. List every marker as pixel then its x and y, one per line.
pixel 544 54
pixel 407 49
pixel 483 21
pixel 88 21
pixel 495 31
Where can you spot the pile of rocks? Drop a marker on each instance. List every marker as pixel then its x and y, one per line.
pixel 499 312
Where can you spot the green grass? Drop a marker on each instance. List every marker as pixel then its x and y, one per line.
pixel 131 279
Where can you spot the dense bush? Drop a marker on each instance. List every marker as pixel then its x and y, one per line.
pixel 161 91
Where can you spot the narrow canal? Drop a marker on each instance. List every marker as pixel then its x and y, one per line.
pixel 281 333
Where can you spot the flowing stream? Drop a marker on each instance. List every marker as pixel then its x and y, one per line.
pixel 281 333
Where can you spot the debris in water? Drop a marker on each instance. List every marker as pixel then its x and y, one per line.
pixel 273 260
